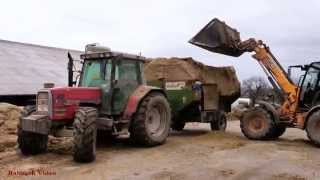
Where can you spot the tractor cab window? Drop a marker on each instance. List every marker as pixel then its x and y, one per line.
pixel 310 87
pixel 96 73
pixel 126 76
pixel 311 79
pixel 126 70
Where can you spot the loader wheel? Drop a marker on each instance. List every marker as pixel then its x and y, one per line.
pixel 313 128
pixel 257 124
pixel 152 120
pixel 219 122
pixel 31 143
pixel 85 134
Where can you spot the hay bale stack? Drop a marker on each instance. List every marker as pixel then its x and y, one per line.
pixel 9 117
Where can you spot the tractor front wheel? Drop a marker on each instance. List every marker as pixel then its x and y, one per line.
pixel 85 134
pixel 257 124
pixel 313 128
pixel 152 120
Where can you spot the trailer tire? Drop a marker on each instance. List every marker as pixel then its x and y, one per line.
pixel 85 134
pixel 219 121
pixel 151 123
pixel 31 143
pixel 313 127
pixel 257 124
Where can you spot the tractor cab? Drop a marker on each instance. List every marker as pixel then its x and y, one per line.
pixel 116 74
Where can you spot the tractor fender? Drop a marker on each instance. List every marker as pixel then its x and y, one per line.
pixel 270 108
pixel 311 111
pixel 136 97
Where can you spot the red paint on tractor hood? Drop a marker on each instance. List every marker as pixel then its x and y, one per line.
pixel 65 100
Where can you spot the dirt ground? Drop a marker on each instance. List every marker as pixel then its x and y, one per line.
pixel 195 153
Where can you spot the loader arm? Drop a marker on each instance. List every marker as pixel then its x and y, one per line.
pixel 275 72
pixel 220 38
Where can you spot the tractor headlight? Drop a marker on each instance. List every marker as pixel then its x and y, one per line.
pixel 42 101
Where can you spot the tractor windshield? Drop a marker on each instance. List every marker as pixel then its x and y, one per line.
pixel 95 72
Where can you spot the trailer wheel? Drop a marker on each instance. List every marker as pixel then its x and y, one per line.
pixel 85 134
pixel 219 121
pixel 313 128
pixel 152 120
pixel 257 124
pixel 31 143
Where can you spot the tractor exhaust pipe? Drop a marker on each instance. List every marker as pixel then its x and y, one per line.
pixel 70 70
pixel 219 38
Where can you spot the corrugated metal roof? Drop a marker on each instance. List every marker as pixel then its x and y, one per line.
pixel 25 67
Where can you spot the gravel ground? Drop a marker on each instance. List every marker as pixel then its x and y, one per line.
pixel 195 153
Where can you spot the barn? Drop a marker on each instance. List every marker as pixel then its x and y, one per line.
pixel 26 67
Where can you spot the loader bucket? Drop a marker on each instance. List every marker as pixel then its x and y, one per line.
pixel 219 38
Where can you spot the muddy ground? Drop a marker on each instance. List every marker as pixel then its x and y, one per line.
pixel 195 153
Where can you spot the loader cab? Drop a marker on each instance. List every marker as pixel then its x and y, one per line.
pixel 310 86
pixel 117 74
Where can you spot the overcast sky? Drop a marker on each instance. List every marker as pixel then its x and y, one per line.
pixel 163 28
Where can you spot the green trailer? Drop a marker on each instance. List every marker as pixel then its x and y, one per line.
pixel 196 92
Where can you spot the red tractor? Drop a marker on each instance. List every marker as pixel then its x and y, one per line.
pixel 111 98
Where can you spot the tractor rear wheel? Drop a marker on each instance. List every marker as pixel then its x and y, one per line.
pixel 257 124
pixel 219 122
pixel 31 143
pixel 85 134
pixel 152 120
pixel 313 128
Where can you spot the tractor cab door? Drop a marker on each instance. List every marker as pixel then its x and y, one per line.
pixel 127 77
pixel 310 87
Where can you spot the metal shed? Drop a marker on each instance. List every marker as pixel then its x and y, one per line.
pixel 25 67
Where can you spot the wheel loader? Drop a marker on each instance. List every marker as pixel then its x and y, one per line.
pixel 110 99
pixel 265 121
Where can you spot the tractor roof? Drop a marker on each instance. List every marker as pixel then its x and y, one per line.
pixel 110 54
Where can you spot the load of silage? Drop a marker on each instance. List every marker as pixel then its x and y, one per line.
pixel 188 69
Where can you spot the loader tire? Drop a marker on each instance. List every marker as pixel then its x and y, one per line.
pixel 151 123
pixel 313 128
pixel 257 124
pixel 31 143
pixel 85 134
pixel 219 122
